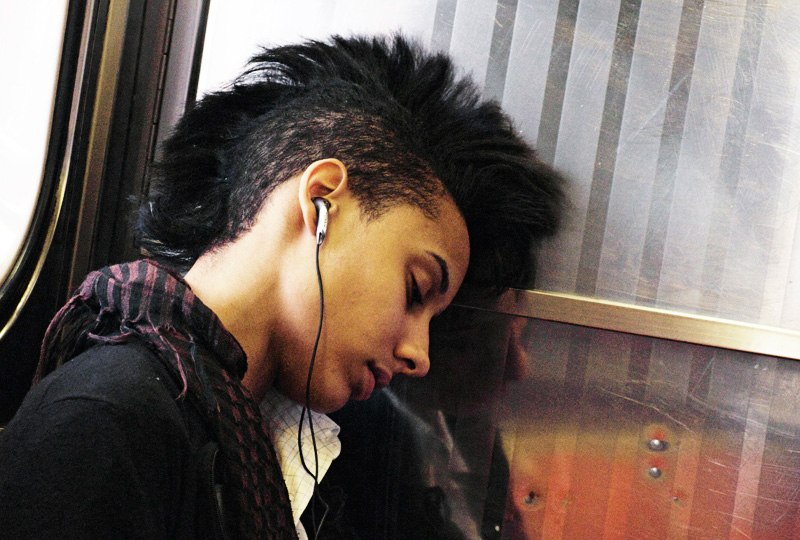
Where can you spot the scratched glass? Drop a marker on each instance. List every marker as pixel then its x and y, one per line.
pixel 538 430
pixel 676 121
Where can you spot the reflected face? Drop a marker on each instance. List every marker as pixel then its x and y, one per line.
pixel 384 279
pixel 474 354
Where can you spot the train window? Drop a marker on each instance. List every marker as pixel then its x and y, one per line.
pixel 676 122
pixel 235 30
pixel 29 59
pixel 527 429
pixel 536 429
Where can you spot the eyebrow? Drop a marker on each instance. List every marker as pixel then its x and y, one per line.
pixel 445 283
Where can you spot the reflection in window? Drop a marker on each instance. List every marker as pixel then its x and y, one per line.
pixel 529 430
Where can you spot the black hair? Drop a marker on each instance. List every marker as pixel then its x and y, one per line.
pixel 406 127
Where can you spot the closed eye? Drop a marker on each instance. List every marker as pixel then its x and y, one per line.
pixel 414 295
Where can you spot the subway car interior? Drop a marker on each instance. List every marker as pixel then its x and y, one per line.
pixel 643 386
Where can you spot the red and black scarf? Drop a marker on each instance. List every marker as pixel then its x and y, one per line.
pixel 144 300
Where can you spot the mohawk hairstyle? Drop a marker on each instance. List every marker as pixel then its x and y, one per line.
pixel 408 130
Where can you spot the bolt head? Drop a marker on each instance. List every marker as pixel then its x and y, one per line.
pixel 657 445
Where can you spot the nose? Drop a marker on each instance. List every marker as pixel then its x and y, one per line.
pixel 412 349
pixel 517 360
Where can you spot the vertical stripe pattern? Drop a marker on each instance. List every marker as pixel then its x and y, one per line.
pixel 730 459
pixel 676 122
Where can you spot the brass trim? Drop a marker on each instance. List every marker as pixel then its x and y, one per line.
pixel 644 321
pixel 62 178
pixel 113 42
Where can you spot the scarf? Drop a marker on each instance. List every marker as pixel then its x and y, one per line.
pixel 146 301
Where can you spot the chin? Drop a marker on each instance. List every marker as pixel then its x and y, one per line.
pixel 325 398
pixel 328 404
pixel 327 409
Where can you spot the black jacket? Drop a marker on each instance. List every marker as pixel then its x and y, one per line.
pixel 102 448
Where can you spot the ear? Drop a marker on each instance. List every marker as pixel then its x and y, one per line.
pixel 324 178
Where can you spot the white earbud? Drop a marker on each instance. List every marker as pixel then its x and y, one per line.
pixel 322 206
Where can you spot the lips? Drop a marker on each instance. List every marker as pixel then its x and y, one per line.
pixel 377 377
pixel 382 376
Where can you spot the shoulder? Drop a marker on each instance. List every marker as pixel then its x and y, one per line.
pixel 103 436
pixel 111 388
pixel 109 372
pixel 128 378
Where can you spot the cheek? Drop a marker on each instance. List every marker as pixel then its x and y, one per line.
pixel 365 301
pixel 364 308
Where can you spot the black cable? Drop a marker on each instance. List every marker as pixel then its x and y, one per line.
pixel 315 474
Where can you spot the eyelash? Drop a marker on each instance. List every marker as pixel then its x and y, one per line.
pixel 414 296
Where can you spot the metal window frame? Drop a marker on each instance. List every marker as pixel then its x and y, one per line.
pixel 639 320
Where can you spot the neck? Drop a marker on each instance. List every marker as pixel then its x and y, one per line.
pixel 251 284
pixel 236 285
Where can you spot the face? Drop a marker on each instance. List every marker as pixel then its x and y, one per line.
pixel 384 279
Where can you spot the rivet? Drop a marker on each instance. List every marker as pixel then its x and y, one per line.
pixel 497 528
pixel 529 498
pixel 654 472
pixel 657 445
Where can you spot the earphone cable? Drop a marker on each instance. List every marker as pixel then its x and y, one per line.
pixel 315 474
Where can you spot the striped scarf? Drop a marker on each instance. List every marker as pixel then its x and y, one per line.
pixel 146 301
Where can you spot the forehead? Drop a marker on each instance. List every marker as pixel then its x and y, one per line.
pixel 442 232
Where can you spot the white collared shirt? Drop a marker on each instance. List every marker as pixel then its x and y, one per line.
pixel 283 416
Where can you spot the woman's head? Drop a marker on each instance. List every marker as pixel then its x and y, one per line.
pixel 407 129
